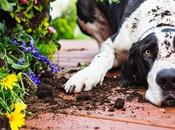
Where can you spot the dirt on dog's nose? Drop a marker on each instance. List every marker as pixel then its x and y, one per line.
pixel 166 79
pixel 169 101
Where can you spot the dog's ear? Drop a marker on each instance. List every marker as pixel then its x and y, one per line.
pixel 128 69
pixel 134 71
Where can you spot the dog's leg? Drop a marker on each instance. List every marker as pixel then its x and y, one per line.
pixel 94 73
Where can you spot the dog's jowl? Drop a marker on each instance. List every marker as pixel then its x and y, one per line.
pixel 143 28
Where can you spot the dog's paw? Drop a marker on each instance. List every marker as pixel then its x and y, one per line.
pixel 83 80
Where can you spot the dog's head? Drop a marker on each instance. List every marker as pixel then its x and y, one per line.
pixel 151 61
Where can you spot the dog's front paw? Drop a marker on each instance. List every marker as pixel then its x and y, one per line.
pixel 83 80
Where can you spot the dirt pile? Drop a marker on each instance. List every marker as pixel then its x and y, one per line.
pixel 107 97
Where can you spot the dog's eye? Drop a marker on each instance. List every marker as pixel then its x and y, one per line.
pixel 147 53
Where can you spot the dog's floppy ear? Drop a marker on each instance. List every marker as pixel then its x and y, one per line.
pixel 128 69
pixel 134 71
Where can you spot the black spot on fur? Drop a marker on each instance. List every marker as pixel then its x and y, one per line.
pixel 168 30
pixel 86 10
pixel 174 42
pixel 164 24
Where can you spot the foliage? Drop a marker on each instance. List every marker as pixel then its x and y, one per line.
pixel 34 17
pixel 63 29
pixel 7 5
pixel 11 93
pixel 21 29
pixel 66 23
pixel 8 96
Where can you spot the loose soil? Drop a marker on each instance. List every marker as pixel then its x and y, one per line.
pixel 4 123
pixel 109 96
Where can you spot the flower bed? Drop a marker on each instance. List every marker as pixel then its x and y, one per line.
pixel 27 44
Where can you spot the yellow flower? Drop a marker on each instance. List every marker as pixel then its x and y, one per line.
pixel 16 118
pixel 9 82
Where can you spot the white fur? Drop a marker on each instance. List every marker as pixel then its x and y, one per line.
pixel 144 20
pixel 93 73
pixel 165 60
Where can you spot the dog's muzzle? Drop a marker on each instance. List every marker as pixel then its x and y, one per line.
pixel 166 80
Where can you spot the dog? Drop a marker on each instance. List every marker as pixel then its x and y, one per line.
pixel 140 38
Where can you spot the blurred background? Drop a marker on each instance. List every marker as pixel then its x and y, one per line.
pixel 63 14
pixel 77 49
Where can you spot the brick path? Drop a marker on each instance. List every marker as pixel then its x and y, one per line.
pixel 74 52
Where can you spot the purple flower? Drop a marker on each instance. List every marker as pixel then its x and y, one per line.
pixel 21 61
pixel 35 52
pixel 34 77
pixel 27 49
pixel 13 41
pixel 30 48
pixel 54 69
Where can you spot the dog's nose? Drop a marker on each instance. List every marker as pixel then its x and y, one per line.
pixel 169 101
pixel 166 79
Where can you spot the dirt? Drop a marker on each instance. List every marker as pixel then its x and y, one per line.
pixel 80 49
pixel 119 103
pixel 4 123
pixel 109 96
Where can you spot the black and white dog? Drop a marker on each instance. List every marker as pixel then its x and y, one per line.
pixel 144 38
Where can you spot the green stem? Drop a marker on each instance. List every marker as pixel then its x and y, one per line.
pixel 3 103
pixel 5 52
pixel 3 96
pixel 15 96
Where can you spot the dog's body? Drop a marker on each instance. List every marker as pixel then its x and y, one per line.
pixel 99 19
pixel 145 30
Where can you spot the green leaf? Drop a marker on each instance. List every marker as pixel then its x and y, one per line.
pixel 45 22
pixel 19 8
pixel 29 30
pixel 38 8
pixel 5 5
pixel 2 27
pixel 29 14
pixel 20 67
pixel 29 84
pixel 9 60
pixel 18 20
